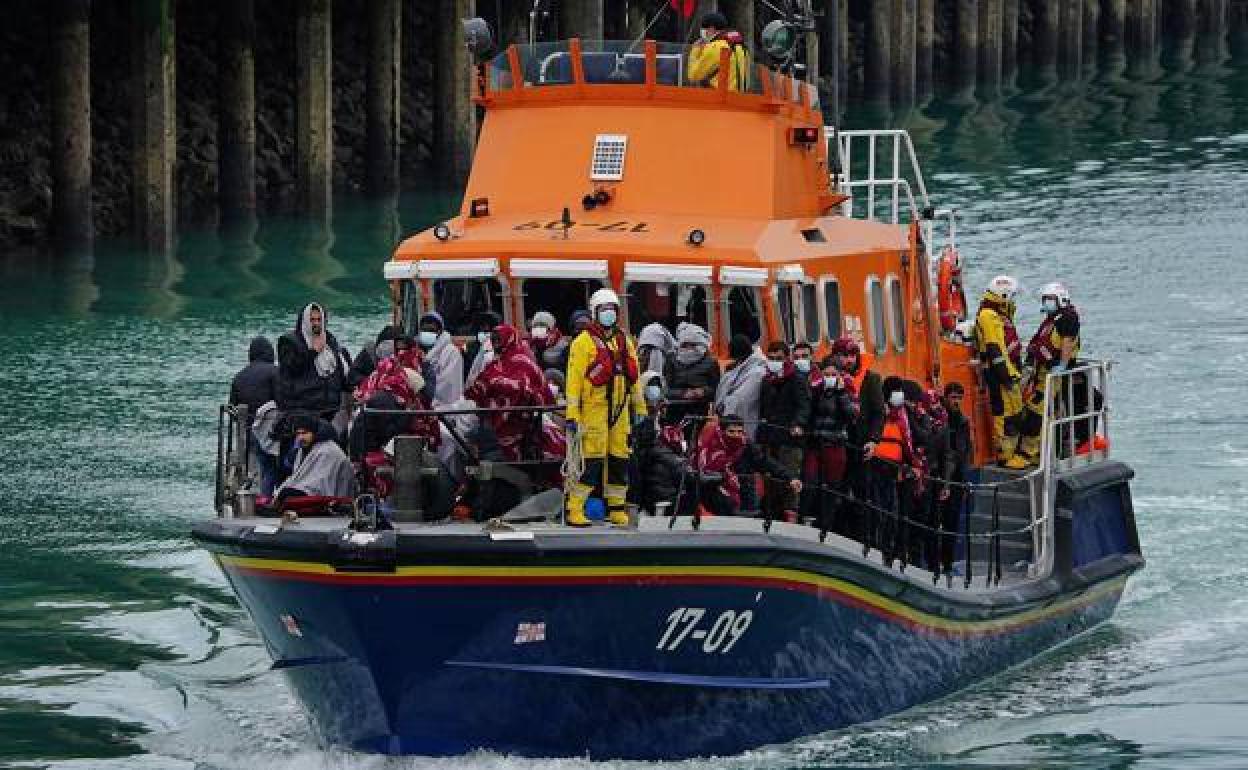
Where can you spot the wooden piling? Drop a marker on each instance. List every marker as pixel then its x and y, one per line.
pixel 154 134
pixel 1212 27
pixel 1070 38
pixel 1009 38
pixel 990 24
pixel 581 18
pixel 966 47
pixel 236 121
pixel 71 125
pixel 381 177
pixel 903 33
pixel 1046 15
pixel 1091 32
pixel 1113 26
pixel 830 60
pixel 455 118
pixel 314 107
pixel 878 58
pixel 924 48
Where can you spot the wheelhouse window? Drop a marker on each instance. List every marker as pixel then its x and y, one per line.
pixel 743 313
pixel 668 304
pixel 810 312
pixel 787 310
pixel 832 308
pixel 896 312
pixel 558 296
pixel 461 301
pixel 875 313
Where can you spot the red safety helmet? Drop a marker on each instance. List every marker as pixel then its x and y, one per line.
pixel 846 346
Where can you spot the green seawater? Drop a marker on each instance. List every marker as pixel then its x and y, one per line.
pixel 122 647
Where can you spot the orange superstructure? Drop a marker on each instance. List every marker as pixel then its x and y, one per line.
pixel 597 166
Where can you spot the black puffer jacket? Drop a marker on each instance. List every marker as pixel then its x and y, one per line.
pixel 658 468
pixel 785 403
pixel 832 415
pixel 256 384
pixel 300 386
pixel 680 379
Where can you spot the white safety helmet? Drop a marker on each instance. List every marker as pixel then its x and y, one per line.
pixel 600 298
pixel 1058 291
pixel 1004 287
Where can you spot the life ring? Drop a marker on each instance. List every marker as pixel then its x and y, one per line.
pixel 951 299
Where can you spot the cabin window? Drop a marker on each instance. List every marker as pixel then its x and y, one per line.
pixel 875 312
pixel 558 296
pixel 460 301
pixel 743 315
pixel 832 308
pixel 810 312
pixel 787 310
pixel 410 308
pixel 897 312
pixel 668 304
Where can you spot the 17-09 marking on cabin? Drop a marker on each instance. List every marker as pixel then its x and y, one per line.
pixel 610 227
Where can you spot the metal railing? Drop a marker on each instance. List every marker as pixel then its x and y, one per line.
pixel 235 470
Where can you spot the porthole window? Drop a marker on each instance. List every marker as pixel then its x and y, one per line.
pixel 875 314
pixel 832 308
pixel 810 312
pixel 896 312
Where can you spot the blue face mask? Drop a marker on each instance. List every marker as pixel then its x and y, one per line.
pixel 483 337
pixel 653 392
pixel 775 367
pixel 427 338
pixel 1049 306
pixel 606 317
pixel 802 364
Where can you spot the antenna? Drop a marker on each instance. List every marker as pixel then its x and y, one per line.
pixel 538 14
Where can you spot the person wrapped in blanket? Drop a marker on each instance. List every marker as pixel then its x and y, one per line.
pixel 321 468
pixel 724 455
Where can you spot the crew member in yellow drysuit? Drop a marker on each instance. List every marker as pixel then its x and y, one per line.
pixel 703 66
pixel 604 399
pixel 996 340
pixel 1052 350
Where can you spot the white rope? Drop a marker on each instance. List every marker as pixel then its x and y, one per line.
pixel 573 465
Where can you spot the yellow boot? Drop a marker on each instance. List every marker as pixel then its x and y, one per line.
pixel 616 506
pixel 578 495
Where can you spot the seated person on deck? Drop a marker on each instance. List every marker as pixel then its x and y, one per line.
pixel 321 467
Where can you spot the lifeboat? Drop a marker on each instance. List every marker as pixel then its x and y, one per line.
pixel 681 636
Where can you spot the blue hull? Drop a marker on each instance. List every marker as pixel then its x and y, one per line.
pixel 551 663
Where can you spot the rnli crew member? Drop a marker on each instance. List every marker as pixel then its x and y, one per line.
pixel 603 384
pixel 703 67
pixel 996 341
pixel 1051 351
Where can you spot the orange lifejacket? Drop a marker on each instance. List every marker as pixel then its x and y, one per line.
pixel 891 442
pixel 607 364
pixel 950 298
pixel 865 360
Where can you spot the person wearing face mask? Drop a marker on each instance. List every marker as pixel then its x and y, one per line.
pixel 692 376
pixel 658 453
pixel 604 400
pixel 959 455
pixel 833 411
pixel 1052 350
pixel 311 374
pixel 477 342
pixel 865 387
pixel 549 345
pixel 511 379
pixel 996 341
pixel 740 385
pixel 655 347
pixel 704 56
pixel 785 414
pixel 443 359
pixel 891 459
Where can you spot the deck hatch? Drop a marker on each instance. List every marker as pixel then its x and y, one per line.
pixel 608 162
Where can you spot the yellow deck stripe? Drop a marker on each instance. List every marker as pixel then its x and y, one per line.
pixel 773 573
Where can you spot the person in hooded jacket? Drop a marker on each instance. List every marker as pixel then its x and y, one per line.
pixel 658 452
pixel 549 345
pixel 741 383
pixel 365 362
pixel 725 453
pixel 864 384
pixel 443 358
pixel 477 346
pixel 312 367
pixel 512 379
pixel 655 347
pixel 256 383
pixel 785 415
pixel 691 376
pixel 321 468
pixel 833 412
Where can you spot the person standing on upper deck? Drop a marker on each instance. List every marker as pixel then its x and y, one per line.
pixel 704 56
pixel 604 398
pixel 996 341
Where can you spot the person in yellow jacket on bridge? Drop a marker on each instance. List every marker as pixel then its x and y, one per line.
pixel 996 341
pixel 1052 350
pixel 703 69
pixel 604 400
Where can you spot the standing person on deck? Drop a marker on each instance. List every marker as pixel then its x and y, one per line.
pixel 996 341
pixel 691 376
pixel 1051 351
pixel 511 379
pixel 741 383
pixel 833 412
pixel 704 56
pixel 957 463
pixel 655 347
pixel 312 372
pixel 891 459
pixel 604 397
pixel 443 358
pixel 550 347
pixel 785 414
pixel 866 388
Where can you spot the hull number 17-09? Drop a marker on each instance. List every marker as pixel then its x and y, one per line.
pixel 722 635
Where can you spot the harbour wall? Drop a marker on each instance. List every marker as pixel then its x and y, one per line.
pixel 134 117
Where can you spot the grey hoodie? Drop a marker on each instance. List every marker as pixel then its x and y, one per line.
pixel 739 389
